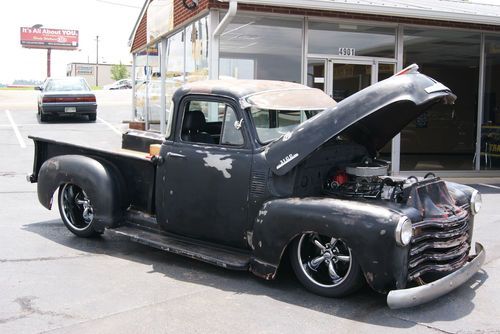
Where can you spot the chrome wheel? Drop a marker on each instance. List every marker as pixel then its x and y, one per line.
pixel 75 207
pixel 325 262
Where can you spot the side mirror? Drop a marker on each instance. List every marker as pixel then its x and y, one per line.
pixel 38 87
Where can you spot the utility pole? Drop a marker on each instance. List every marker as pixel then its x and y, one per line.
pixel 97 61
pixel 48 62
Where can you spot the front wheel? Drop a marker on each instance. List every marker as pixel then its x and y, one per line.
pixel 325 265
pixel 76 210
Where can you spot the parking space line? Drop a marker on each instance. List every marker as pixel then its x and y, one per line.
pixel 16 129
pixel 109 125
pixel 489 185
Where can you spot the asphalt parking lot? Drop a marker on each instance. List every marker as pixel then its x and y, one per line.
pixel 52 281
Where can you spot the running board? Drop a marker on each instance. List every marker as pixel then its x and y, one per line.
pixel 221 257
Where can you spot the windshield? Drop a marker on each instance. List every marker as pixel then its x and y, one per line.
pixel 272 124
pixel 66 84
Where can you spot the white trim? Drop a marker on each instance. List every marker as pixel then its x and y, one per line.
pixel 303 61
pixel 163 72
pixel 213 46
pixel 396 141
pixel 480 102
pixel 134 90
pixel 353 60
pixel 371 9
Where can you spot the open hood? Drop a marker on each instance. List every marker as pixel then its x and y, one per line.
pixel 371 117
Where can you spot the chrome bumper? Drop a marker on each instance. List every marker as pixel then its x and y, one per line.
pixel 425 293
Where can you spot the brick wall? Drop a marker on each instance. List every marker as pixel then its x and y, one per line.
pixel 140 34
pixel 182 14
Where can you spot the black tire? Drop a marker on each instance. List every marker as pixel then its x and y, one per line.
pixel 92 117
pixel 76 211
pixel 346 276
pixel 44 118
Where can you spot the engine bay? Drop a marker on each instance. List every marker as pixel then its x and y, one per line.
pixel 369 179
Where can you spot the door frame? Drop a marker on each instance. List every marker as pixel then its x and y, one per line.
pixel 330 60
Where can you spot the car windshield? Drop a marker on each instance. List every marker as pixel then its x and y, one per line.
pixel 276 112
pixel 66 84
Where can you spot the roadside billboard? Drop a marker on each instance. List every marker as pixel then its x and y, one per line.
pixel 45 38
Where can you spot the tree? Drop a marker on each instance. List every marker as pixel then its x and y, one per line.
pixel 119 72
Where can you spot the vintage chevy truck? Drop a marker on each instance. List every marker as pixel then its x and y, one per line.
pixel 252 170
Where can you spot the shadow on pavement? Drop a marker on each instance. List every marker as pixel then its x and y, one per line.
pixel 64 119
pixel 483 189
pixel 365 306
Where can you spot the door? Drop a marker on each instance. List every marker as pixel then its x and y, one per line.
pixel 340 78
pixel 203 184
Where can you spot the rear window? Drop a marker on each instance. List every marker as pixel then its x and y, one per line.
pixel 272 124
pixel 67 84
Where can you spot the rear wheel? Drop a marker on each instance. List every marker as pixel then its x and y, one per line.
pixel 325 265
pixel 44 118
pixel 76 210
pixel 92 117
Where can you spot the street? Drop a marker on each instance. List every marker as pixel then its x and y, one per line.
pixel 52 281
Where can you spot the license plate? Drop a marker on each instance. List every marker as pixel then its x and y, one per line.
pixel 70 109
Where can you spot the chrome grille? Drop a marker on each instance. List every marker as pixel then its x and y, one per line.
pixel 440 245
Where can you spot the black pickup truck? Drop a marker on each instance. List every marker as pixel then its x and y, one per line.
pixel 251 171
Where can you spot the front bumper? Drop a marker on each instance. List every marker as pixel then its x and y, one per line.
pixel 422 294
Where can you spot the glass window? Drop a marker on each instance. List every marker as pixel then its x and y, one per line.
pixel 351 39
pixel 272 124
pixel 443 138
pixel 256 47
pixel 199 125
pixel 153 89
pixel 490 129
pixel 197 50
pixel 141 60
pixel 66 84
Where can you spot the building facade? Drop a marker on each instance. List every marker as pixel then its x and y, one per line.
pixel 96 75
pixel 341 48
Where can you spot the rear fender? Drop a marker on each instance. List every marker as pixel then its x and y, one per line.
pixel 100 181
pixel 368 230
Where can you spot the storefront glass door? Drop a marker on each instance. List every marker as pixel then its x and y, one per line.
pixel 341 78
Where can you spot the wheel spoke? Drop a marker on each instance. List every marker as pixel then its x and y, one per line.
pixel 319 245
pixel 314 263
pixel 343 258
pixel 333 241
pixel 333 274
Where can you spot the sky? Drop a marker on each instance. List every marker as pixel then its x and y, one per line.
pixel 112 20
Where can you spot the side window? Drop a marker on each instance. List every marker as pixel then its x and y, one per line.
pixel 211 123
pixel 231 132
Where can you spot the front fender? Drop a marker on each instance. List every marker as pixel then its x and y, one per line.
pixel 368 230
pixel 100 181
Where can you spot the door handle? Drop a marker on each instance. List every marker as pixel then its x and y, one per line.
pixel 176 155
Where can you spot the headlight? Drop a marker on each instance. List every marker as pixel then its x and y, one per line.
pixel 475 202
pixel 404 231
